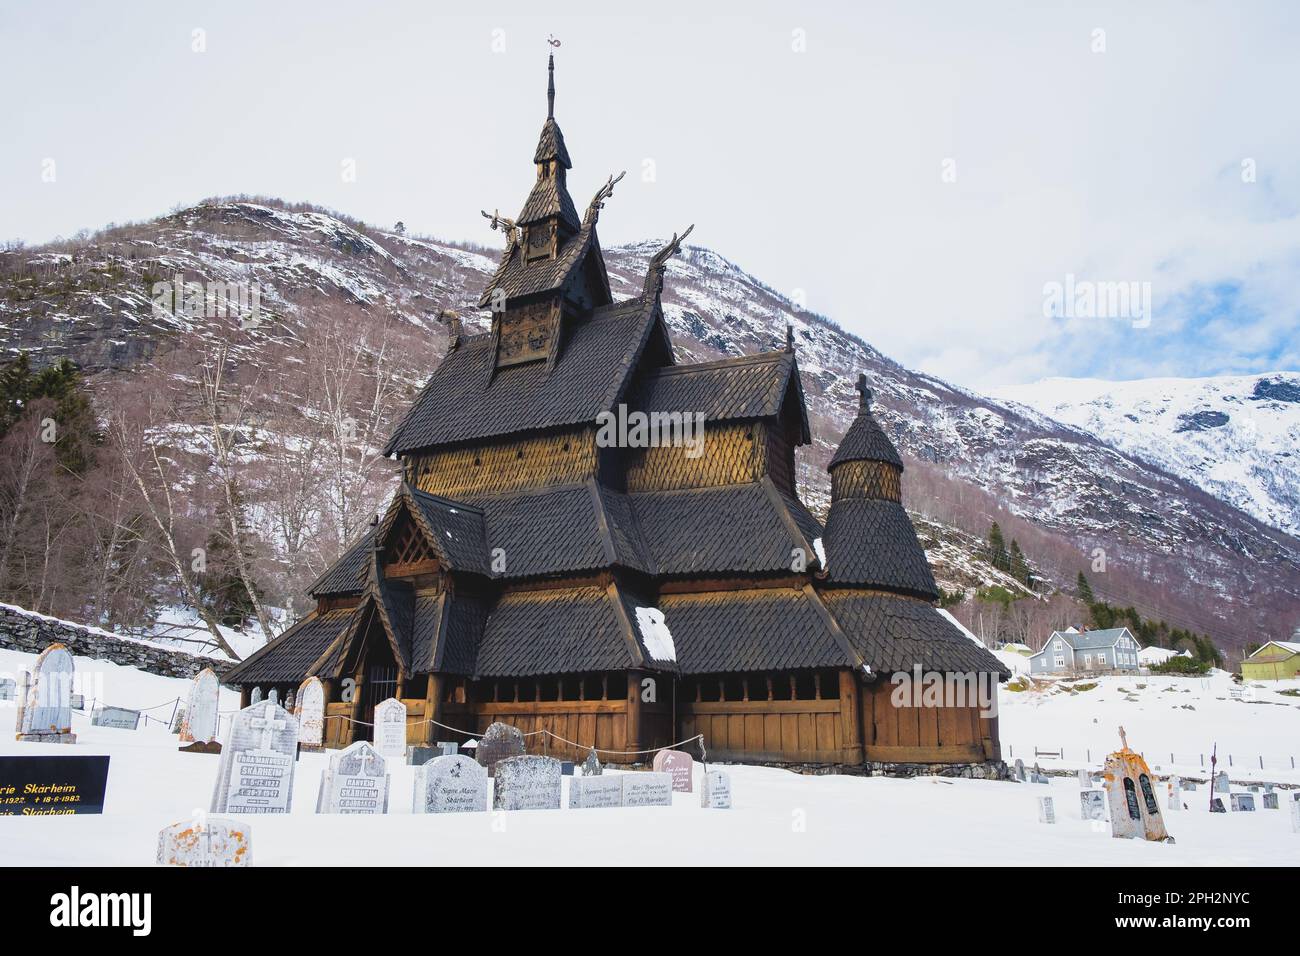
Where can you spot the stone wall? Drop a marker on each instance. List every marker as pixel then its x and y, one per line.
pixel 24 631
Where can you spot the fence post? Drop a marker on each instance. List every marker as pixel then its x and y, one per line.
pixel 176 703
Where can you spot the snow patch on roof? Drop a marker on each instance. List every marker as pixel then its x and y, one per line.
pixel 655 635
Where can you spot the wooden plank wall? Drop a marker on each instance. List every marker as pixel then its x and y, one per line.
pixel 911 734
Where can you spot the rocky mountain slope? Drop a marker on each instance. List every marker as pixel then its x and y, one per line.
pixel 1236 437
pixel 1073 501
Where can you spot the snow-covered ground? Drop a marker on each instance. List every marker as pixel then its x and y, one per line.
pixel 778 817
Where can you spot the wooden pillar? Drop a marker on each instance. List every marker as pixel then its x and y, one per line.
pixel 432 709
pixel 850 719
pixel 633 741
pixel 355 731
pixel 245 693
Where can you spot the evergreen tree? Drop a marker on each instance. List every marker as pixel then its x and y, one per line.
pixel 998 556
pixel 1085 591
pixel 1018 566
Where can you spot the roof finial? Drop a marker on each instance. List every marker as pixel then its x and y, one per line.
pixel 550 79
pixel 864 393
pixel 789 337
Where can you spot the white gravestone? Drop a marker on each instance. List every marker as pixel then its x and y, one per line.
pixel 596 791
pixel 1295 816
pixel 677 764
pixel 529 782
pixel 8 688
pixel 1085 780
pixel 1175 796
pixel 715 790
pixel 311 713
pixel 256 696
pixel 1242 802
pixel 390 728
pixel 356 781
pixel 1046 810
pixel 213 842
pixel 1221 783
pixel 120 717
pixel 200 723
pixel 451 783
pixel 1270 801
pixel 1019 770
pixel 257 764
pixel 273 696
pixel 46 712
pixel 647 789
pixel 1092 805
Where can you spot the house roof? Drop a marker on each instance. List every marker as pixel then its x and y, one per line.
pixel 1088 640
pixel 460 402
pixel 748 386
pixel 870 542
pixel 752 630
pixel 1290 647
pixel 893 634
pixel 288 657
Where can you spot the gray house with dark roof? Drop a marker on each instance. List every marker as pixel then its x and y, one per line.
pixel 633 595
pixel 1072 651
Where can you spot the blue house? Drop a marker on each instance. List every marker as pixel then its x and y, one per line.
pixel 1071 652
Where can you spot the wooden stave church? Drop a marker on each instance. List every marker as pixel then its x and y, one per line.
pixel 504 581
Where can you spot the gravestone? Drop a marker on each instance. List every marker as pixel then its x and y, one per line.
pixel 8 688
pixel 274 696
pixel 52 786
pixel 1038 776
pixel 448 748
pixel 591 766
pixel 1046 810
pixel 679 766
pixel 417 756
pixel 289 706
pixel 592 792
pixel 212 842
pixel 527 783
pixel 1216 806
pixel 1085 780
pixel 1254 788
pixel 257 764
pixel 499 742
pixel 1221 782
pixel 1270 801
pixel 1175 788
pixel 120 717
pixel 1134 809
pixel 566 768
pixel 452 783
pixel 1020 770
pixel 45 712
pixel 1242 802
pixel 647 789
pixel 78 702
pixel 356 781
pixel 311 713
pixel 1092 805
pixel 200 722
pixel 1191 785
pixel 256 696
pixel 715 790
pixel 1295 816
pixel 390 728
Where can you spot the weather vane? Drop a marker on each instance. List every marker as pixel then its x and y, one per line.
pixel 551 40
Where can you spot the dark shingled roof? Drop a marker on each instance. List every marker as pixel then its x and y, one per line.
pixel 559 631
pixel 895 633
pixel 865 441
pixel 549 198
pixel 287 658
pixel 731 528
pixel 453 529
pixel 550 145
pixel 871 542
pixel 750 386
pixel 569 528
pixel 347 574
pixel 462 630
pixel 590 375
pixel 752 630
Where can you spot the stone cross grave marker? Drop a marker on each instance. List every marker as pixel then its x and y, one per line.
pixel 499 742
pixel 596 791
pixel 256 770
pixel 452 783
pixel 527 783
pixel 679 766
pixel 715 790
pixel 390 728
pixel 647 789
pixel 1046 810
pixel 1092 805
pixel 200 722
pixel 591 766
pixel 356 781
pixel 210 842
pixel 45 712
pixel 1242 802
pixel 311 713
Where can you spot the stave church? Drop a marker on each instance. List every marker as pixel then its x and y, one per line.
pixel 629 593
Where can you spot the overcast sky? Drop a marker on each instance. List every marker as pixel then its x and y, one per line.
pixel 919 171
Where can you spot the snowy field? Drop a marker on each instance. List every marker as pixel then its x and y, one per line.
pixel 778 817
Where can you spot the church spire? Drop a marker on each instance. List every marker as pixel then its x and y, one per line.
pixel 550 88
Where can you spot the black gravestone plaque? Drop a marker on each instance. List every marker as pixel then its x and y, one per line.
pixel 1131 798
pixel 1153 805
pixel 52 786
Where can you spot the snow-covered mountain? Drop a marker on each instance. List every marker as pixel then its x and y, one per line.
pixel 1237 437
pixel 1171 548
